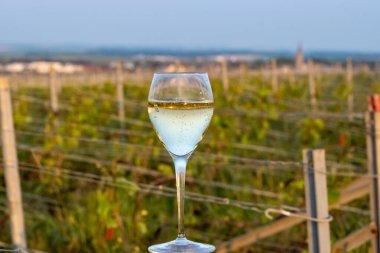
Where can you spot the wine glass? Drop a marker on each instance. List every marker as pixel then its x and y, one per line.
pixel 180 107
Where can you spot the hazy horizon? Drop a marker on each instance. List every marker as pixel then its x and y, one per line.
pixel 71 47
pixel 252 25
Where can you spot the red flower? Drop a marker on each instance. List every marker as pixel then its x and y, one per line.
pixel 342 140
pixel 109 234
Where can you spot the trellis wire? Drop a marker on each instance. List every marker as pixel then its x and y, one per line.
pixel 154 189
pixel 279 164
pixel 111 130
pixel 2 244
pixel 135 168
pixel 275 164
pixel 146 171
pixel 345 166
pixel 248 113
pixel 34 196
pixel 108 130
pixel 15 250
pixel 64 106
pixel 127 120
pixel 353 210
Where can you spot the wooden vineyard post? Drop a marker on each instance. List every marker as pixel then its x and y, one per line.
pixel 373 156
pixel 11 172
pixel 291 77
pixel 312 87
pixel 211 70
pixel 274 75
pixel 242 72
pixel 53 89
pixel 350 98
pixel 316 200
pixel 265 70
pixel 140 74
pixel 225 75
pixel 120 93
pixel 377 68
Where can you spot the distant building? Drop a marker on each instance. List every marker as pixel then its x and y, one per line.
pixel 128 65
pixel 15 67
pixel 299 60
pixel 43 67
pixel 177 67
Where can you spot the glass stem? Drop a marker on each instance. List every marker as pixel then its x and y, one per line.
pixel 180 171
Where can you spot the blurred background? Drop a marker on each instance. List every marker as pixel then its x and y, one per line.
pixel 286 75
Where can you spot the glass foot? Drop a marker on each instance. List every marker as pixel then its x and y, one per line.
pixel 181 245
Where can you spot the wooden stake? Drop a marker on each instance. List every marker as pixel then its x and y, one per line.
pixel 53 90
pixel 377 68
pixel 350 98
pixel 291 77
pixel 211 70
pixel 373 156
pixel 140 74
pixel 312 87
pixel 316 200
pixel 242 72
pixel 12 178
pixel 225 75
pixel 120 93
pixel 274 75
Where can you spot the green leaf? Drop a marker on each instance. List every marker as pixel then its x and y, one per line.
pixel 165 169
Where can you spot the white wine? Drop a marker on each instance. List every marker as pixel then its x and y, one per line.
pixel 180 125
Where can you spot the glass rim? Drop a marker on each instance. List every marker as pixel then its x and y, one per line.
pixel 180 73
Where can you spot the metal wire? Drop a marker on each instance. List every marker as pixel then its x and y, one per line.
pixel 35 197
pixel 64 106
pixel 110 130
pixel 353 210
pixel 15 250
pixel 284 212
pixel 154 189
pixel 345 166
pixel 278 164
pixel 138 133
pixel 148 172
pixel 273 164
pixel 19 250
pixel 240 111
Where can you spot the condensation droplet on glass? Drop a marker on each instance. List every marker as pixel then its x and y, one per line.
pixel 156 108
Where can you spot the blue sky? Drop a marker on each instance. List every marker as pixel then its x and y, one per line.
pixel 249 24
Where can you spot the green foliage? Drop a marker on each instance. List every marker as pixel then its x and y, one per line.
pixel 310 132
pixel 21 116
